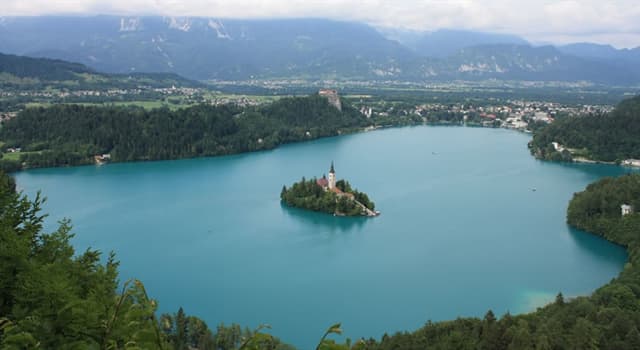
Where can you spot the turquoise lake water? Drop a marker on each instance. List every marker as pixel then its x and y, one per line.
pixel 461 231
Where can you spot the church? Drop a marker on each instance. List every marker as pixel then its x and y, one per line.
pixel 329 184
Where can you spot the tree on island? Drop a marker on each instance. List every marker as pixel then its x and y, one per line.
pixel 320 195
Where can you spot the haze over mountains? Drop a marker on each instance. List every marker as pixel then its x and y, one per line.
pixel 207 48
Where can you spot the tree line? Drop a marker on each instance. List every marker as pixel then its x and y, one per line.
pixel 65 135
pixel 21 73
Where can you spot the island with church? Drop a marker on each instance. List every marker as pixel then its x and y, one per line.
pixel 328 196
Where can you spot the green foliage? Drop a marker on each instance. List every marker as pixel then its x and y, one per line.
pixel 53 298
pixel 611 137
pixel 364 199
pixel 598 208
pixel 28 73
pixel 344 186
pixel 72 134
pixel 307 194
pixel 40 68
pixel 188 332
pixel 327 344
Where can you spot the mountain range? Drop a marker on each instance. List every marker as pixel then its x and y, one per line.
pixel 233 49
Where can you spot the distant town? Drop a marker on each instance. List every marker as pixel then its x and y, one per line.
pixel 512 114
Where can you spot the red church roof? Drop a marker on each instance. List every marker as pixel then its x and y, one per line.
pixel 323 182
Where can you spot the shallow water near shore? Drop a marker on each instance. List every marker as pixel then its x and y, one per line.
pixel 470 222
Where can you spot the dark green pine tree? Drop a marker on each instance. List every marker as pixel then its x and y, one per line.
pixel 559 299
pixel 181 342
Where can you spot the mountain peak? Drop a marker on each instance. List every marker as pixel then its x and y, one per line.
pixel 180 23
pixel 130 24
pixel 219 28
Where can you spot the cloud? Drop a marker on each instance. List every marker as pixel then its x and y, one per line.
pixel 615 20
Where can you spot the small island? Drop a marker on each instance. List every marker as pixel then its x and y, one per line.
pixel 328 196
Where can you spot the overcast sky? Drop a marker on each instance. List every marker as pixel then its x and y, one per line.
pixel 615 22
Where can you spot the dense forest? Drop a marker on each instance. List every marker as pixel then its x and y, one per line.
pixel 72 134
pixel 610 137
pixel 307 194
pixel 41 68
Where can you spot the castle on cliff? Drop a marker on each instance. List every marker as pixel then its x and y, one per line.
pixel 332 97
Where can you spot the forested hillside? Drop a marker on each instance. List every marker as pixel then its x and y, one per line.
pixel 25 73
pixel 610 137
pixel 72 134
pixel 40 68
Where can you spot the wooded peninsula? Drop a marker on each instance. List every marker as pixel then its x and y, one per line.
pixel 67 135
pixel 609 137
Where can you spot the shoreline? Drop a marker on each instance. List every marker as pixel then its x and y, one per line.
pixel 370 128
pixel 366 129
pixel 339 133
pixel 583 160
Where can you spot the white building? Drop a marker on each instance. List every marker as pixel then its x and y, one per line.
pixel 558 147
pixel 332 178
pixel 631 162
pixel 626 209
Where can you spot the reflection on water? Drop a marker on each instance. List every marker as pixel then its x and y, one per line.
pixel 324 222
pixel 593 171
pixel 593 244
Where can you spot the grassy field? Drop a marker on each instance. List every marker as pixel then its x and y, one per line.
pixel 12 156
pixel 257 98
pixel 143 104
pixel 16 155
pixel 172 102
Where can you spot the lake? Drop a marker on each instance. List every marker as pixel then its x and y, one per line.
pixel 462 231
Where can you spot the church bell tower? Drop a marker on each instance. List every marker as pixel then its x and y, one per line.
pixel 332 177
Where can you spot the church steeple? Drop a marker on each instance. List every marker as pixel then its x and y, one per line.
pixel 332 177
